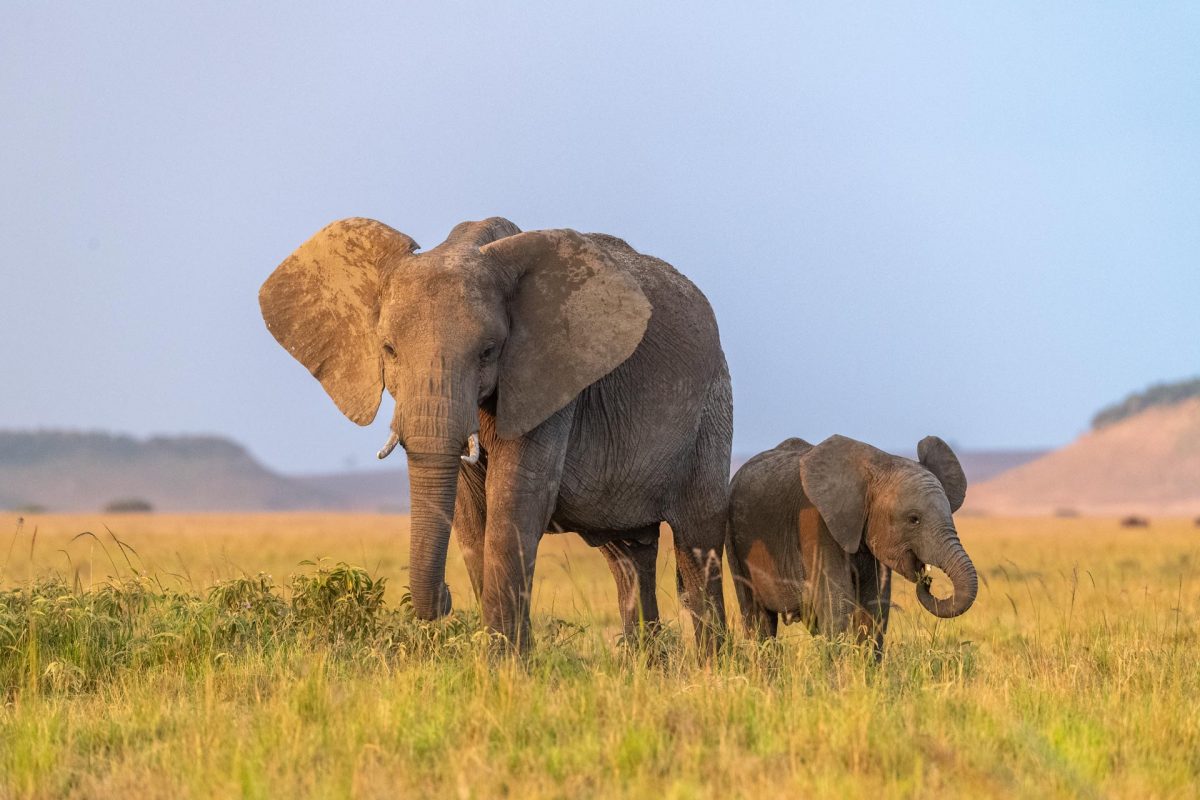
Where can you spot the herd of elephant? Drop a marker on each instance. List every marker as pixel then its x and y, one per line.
pixel 551 381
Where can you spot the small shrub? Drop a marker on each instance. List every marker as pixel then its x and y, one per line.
pixel 343 600
pixel 248 610
pixel 129 505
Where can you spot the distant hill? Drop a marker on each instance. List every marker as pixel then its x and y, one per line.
pixel 362 490
pixel 72 471
pixel 1146 461
pixel 1161 394
pixel 982 465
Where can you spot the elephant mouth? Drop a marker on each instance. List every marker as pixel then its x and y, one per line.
pixel 472 448
pixel 911 567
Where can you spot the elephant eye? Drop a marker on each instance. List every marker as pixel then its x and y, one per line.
pixel 914 519
pixel 489 350
pixel 388 350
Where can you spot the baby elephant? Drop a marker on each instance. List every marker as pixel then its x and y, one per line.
pixel 815 532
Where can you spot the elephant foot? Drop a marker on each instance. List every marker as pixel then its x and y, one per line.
pixel 650 643
pixel 442 606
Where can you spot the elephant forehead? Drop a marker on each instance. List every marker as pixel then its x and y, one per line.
pixel 433 280
pixel 916 484
pixel 437 299
pixel 924 480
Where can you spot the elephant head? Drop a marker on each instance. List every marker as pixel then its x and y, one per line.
pixel 518 323
pixel 901 507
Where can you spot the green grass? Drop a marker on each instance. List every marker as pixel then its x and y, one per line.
pixel 1076 674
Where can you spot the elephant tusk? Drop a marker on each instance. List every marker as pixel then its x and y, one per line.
pixel 392 441
pixel 472 456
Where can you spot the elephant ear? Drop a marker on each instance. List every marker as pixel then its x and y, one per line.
pixel 834 477
pixel 937 457
pixel 575 314
pixel 322 305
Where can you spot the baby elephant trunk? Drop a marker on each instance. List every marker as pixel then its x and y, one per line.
pixel 954 561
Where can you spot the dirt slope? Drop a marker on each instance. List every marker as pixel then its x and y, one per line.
pixel 1146 463
pixel 74 471
pixel 384 491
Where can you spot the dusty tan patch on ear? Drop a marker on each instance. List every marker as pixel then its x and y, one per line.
pixel 576 314
pixel 322 304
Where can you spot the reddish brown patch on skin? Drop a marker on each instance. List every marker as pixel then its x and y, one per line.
pixel 776 590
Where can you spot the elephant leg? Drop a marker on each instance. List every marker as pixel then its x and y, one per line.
pixel 698 540
pixel 633 563
pixel 522 487
pixel 698 520
pixel 873 582
pixel 759 621
pixel 829 584
pixel 470 520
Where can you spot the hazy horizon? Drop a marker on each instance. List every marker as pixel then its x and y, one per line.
pixel 974 221
pixel 182 437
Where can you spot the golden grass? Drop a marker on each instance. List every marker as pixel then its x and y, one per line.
pixel 1076 673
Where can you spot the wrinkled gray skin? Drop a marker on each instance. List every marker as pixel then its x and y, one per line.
pixel 815 532
pixel 592 374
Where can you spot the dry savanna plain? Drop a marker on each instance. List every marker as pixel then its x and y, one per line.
pixel 198 657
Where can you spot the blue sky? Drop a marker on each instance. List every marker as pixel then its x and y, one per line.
pixel 976 220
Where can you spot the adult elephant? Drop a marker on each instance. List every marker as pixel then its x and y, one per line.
pixel 583 380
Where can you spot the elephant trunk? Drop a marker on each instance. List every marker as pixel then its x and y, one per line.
pixel 433 483
pixel 433 421
pixel 950 557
